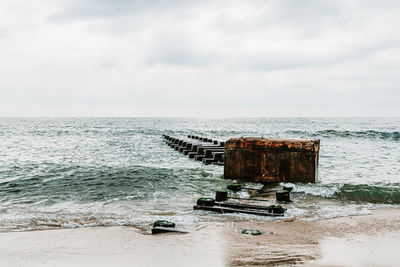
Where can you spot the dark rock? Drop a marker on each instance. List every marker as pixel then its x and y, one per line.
pixel 252 232
pixel 163 223
pixel 161 230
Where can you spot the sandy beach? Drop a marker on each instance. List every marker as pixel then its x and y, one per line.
pixel 369 240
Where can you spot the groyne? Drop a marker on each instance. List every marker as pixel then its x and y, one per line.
pixel 255 159
pixel 206 150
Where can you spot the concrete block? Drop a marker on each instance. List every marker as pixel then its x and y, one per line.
pixel 209 152
pixel 192 155
pixel 207 161
pixel 201 149
pixel 219 156
pixel 199 157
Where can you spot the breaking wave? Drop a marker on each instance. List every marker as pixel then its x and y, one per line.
pixel 368 134
pixel 360 193
pixel 369 193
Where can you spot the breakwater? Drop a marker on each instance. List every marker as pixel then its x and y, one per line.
pixel 203 149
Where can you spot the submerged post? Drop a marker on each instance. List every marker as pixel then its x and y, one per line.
pixel 271 160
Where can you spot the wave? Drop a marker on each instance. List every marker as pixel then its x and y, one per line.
pixel 369 134
pixel 360 193
pixel 85 184
pixel 369 193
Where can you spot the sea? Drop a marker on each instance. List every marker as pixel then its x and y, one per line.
pixel 83 172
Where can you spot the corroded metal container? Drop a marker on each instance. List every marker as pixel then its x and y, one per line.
pixel 271 160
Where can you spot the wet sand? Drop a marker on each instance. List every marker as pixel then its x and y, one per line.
pixel 368 240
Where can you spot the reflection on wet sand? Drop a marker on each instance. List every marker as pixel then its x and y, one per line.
pixel 346 241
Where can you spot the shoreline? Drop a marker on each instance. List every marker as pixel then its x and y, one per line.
pixel 351 241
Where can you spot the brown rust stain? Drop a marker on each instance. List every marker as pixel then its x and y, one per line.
pixel 271 160
pixel 264 143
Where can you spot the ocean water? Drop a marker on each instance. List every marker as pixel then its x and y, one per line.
pixel 77 172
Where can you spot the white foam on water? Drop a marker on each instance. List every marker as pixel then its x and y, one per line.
pixel 315 189
pixel 335 211
pixel 40 153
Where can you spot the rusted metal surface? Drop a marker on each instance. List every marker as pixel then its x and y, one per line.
pixel 271 160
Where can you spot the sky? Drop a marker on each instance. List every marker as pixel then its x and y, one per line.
pixel 240 58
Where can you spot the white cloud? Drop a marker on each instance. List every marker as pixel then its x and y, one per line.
pixel 250 58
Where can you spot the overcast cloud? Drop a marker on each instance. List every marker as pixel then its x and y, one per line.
pixel 199 58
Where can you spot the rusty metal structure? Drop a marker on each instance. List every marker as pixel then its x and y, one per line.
pixel 271 160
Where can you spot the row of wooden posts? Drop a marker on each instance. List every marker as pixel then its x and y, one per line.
pixel 210 151
pixel 203 149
